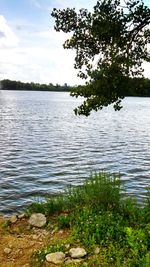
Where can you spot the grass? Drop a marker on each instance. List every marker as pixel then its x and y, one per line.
pixel 98 216
pixel 102 191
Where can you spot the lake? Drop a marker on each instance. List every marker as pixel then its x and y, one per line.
pixel 44 147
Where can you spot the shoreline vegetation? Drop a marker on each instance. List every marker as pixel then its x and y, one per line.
pixel 137 87
pixel 21 86
pixel 97 218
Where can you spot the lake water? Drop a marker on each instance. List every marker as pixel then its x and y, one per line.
pixel 44 147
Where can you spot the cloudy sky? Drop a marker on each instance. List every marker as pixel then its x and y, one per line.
pixel 30 49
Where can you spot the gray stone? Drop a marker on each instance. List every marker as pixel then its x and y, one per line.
pixel 77 253
pixel 21 216
pixel 61 232
pixel 69 260
pixel 13 218
pixel 56 257
pixel 37 220
pixel 7 250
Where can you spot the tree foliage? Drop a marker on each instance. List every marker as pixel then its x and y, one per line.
pixel 138 87
pixel 17 85
pixel 111 44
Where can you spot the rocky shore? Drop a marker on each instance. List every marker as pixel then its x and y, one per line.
pixel 21 236
pixel 90 226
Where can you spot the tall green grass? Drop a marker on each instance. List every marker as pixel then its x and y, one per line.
pixel 98 215
pixel 100 191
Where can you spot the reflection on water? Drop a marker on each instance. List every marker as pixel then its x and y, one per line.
pixel 45 147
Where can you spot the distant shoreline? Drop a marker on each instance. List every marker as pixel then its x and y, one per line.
pixel 138 87
pixel 20 86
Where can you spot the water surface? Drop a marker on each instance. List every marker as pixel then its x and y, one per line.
pixel 44 147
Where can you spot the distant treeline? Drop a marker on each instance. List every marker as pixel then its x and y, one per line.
pixel 138 87
pixel 134 87
pixel 17 85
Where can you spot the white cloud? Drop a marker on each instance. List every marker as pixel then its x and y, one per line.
pixel 51 35
pixel 69 3
pixel 40 65
pixel 37 55
pixel 42 59
pixel 7 37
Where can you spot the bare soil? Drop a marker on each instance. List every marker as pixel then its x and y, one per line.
pixel 22 240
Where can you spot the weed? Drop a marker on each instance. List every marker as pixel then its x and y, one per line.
pixel 64 221
pixel 38 257
pixel 97 215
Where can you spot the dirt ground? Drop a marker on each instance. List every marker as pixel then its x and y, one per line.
pixel 18 241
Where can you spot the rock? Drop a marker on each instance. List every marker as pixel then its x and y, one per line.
pixel 21 216
pixel 69 260
pixel 97 250
pixel 67 246
pixel 77 253
pixel 56 258
pixel 13 218
pixel 37 219
pixel 61 232
pixel 7 250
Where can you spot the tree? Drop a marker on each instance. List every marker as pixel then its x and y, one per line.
pixel 111 44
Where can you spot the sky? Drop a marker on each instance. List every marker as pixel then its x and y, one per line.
pixel 30 49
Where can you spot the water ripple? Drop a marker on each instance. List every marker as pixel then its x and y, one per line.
pixel 44 147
